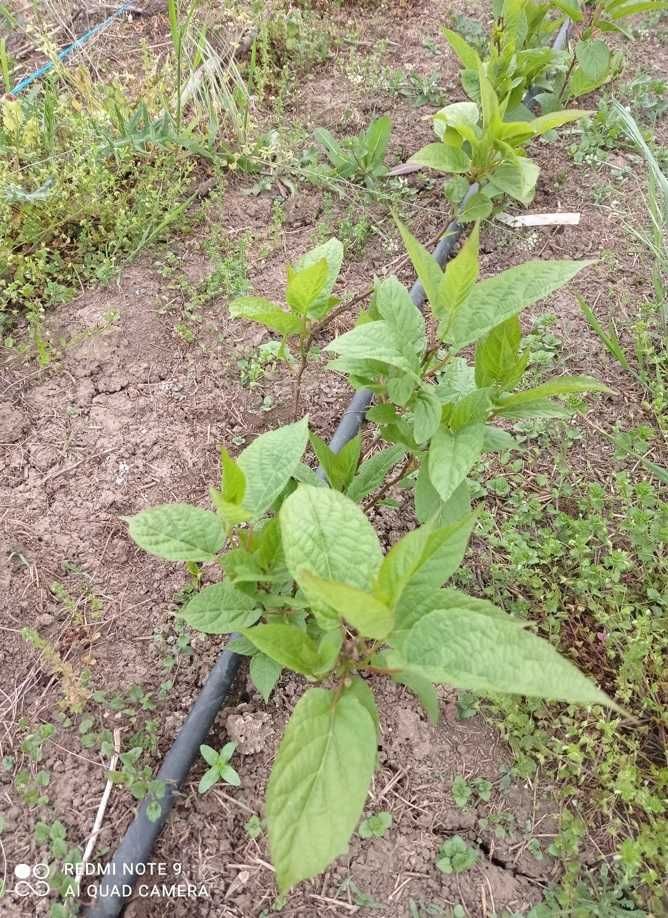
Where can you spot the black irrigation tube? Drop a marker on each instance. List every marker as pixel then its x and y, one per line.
pixel 134 851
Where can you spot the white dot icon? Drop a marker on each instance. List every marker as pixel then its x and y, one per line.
pixel 22 871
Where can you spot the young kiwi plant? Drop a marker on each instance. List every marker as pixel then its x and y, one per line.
pixel 304 579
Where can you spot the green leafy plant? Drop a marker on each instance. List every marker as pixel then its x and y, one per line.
pixel 309 301
pixel 361 158
pixel 483 144
pixel 455 856
pixel 593 63
pixel 375 826
pixel 305 581
pixel 516 54
pixel 219 767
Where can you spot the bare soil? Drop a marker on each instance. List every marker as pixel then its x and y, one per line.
pixel 129 415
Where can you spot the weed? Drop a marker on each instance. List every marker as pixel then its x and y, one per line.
pixel 219 767
pixel 375 826
pixel 455 856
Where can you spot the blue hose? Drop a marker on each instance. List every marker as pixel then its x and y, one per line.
pixel 27 81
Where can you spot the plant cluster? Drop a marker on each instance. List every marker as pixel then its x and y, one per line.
pixel 80 187
pixel 305 580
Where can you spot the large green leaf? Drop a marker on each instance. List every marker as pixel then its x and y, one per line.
pixel 327 534
pixel 487 653
pixel 367 614
pixel 259 309
pixel 269 463
pixel 442 157
pixel 178 532
pixel 593 56
pixel 452 455
pixel 498 298
pixel 221 609
pixel 287 645
pixel 372 341
pixel 319 783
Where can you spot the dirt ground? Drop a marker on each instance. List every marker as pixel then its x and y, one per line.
pixel 129 415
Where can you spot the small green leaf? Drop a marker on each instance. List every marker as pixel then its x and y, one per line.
pixel 339 467
pixel 231 514
pixel 426 266
pixel 517 178
pixel 209 755
pixel 305 285
pixel 318 784
pixel 423 690
pixel 497 360
pixel 178 532
pixel 329 648
pixel 264 673
pixel 258 309
pixel 377 137
pixel 426 415
pixel 477 207
pixel 269 463
pixel 538 408
pixel 287 645
pixel 486 654
pixel 364 612
pixel 461 791
pixel 442 157
pixel 460 275
pixel 220 609
pixel 372 472
pixel 452 455
pixel 230 776
pixel 233 480
pixel 562 385
pixel 332 252
pixel 208 779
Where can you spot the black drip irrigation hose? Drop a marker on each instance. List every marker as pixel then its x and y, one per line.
pixel 123 870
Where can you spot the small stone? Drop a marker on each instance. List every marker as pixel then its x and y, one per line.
pixel 249 731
